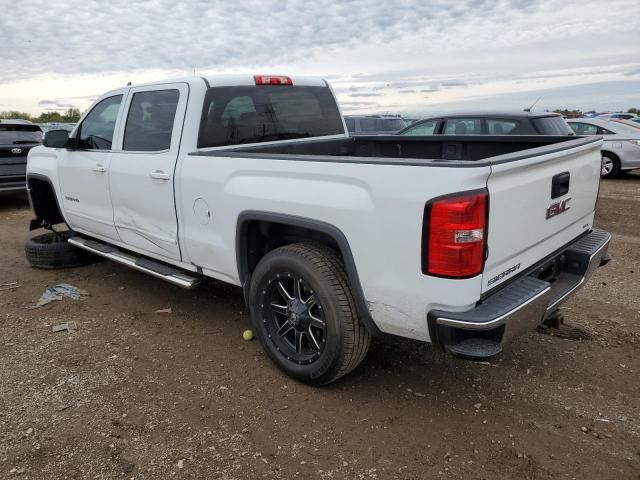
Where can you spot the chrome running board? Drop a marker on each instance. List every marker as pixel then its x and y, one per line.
pixel 151 267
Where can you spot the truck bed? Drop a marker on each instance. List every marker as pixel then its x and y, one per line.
pixel 403 150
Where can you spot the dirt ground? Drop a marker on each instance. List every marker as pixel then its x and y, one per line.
pixel 145 395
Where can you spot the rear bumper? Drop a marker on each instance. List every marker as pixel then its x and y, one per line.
pixel 521 305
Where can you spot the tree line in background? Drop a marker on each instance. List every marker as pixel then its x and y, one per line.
pixel 70 115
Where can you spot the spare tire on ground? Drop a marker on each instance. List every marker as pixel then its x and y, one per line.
pixel 51 250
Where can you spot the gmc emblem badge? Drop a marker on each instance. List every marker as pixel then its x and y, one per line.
pixel 558 208
pixel 16 151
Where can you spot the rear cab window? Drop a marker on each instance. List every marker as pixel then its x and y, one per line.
pixel 19 134
pixel 253 114
pixel 555 125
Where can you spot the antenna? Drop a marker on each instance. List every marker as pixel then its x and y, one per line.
pixel 533 104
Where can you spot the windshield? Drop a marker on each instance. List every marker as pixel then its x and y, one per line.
pixel 555 125
pixel 16 134
pixel 252 114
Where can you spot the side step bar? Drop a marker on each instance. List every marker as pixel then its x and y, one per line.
pixel 151 267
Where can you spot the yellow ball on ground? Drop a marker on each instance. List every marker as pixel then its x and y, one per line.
pixel 247 335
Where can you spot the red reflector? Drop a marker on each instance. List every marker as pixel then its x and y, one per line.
pixel 454 239
pixel 272 80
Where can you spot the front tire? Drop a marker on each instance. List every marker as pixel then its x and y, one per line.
pixel 610 165
pixel 304 313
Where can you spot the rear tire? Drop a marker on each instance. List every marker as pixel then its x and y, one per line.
pixel 51 250
pixel 304 313
pixel 610 166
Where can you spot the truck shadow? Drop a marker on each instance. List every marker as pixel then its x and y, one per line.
pixel 13 201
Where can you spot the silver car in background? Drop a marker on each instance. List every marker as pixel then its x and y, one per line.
pixel 621 148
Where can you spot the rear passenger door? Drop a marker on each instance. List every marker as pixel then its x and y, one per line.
pixel 142 169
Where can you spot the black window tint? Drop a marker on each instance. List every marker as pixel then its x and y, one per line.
pixel 392 124
pixel 552 126
pixel 150 121
pixel 380 125
pixel 237 115
pixel 369 125
pixel 463 126
pixel 96 131
pixel 423 128
pixel 604 131
pixel 351 124
pixel 237 107
pixel 17 134
pixel 502 127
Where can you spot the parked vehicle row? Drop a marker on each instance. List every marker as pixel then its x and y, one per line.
pixel 255 181
pixel 620 152
pixel 621 147
pixel 490 123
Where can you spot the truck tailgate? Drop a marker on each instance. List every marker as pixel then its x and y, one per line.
pixel 538 203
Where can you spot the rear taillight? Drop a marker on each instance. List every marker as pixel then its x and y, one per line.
pixel 272 80
pixel 454 235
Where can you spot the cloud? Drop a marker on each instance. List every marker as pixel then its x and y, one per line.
pixel 453 84
pixel 56 104
pixel 365 47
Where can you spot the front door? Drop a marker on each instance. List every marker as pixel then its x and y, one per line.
pixel 141 172
pixel 83 171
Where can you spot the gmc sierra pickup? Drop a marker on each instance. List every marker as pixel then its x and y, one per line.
pixel 463 241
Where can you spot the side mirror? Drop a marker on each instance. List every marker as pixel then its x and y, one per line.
pixel 55 138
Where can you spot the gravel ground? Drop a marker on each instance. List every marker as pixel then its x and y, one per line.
pixel 146 395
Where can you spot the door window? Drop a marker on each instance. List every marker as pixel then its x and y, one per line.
pixel 96 130
pixel 150 121
pixel 584 128
pixel 424 128
pixel 463 126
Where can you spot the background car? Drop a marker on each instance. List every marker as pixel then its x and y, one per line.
pixel 621 149
pixel 491 123
pixel 373 124
pixel 621 115
pixel 17 137
pixel 45 127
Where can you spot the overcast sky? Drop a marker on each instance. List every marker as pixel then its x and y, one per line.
pixel 410 56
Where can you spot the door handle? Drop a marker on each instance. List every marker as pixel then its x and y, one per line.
pixel 99 168
pixel 160 175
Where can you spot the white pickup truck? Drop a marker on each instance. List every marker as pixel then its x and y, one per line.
pixel 463 241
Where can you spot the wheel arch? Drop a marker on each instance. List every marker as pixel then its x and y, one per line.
pixel 259 232
pixel 610 153
pixel 43 201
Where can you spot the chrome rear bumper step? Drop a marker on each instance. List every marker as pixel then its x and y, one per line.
pixel 146 265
